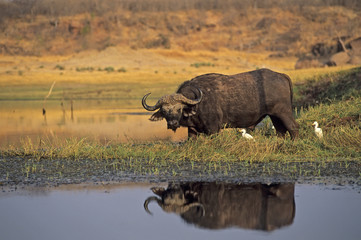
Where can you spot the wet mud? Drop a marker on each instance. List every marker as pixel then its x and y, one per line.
pixel 15 172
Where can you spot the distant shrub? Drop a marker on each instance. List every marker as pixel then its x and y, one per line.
pixel 202 64
pixel 160 41
pixel 83 69
pixel 109 69
pixel 59 67
pixel 122 69
pixel 86 29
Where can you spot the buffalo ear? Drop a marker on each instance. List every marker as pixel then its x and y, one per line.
pixel 156 116
pixel 158 190
pixel 189 112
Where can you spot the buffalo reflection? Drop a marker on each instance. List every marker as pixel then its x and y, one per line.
pixel 222 205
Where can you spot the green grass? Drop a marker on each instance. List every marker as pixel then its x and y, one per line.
pixel 324 88
pixel 226 155
pixel 342 141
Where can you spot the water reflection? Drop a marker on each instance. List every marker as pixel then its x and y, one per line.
pixel 223 205
pixel 115 211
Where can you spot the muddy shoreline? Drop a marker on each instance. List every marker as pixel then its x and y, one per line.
pixel 19 172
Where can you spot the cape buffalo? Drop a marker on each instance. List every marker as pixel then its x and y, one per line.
pixel 210 102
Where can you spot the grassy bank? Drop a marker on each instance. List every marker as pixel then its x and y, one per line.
pixel 340 122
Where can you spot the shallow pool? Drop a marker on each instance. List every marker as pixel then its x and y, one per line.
pixel 182 211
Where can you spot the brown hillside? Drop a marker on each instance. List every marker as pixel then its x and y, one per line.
pixel 287 30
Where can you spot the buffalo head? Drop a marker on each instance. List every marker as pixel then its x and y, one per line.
pixel 173 107
pixel 174 200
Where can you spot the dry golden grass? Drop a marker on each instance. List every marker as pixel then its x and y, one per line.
pixel 143 67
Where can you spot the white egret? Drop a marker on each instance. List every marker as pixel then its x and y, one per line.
pixel 246 135
pixel 318 131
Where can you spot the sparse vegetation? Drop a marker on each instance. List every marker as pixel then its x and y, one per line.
pixel 202 64
pixel 83 69
pixel 122 69
pixel 106 69
pixel 109 69
pixel 59 67
pixel 327 87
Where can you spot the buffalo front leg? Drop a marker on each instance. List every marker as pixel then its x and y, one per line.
pixel 285 123
pixel 292 127
pixel 192 132
pixel 279 126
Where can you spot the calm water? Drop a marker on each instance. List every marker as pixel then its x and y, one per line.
pixel 104 120
pixel 182 211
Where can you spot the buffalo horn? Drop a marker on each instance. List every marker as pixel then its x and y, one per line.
pixel 147 201
pixel 190 101
pixel 147 107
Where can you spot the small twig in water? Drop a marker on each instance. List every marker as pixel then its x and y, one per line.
pixel 46 97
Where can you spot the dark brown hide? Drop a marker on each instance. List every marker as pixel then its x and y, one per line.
pixel 237 101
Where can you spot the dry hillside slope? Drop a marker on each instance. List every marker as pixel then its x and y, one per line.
pixel 286 31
